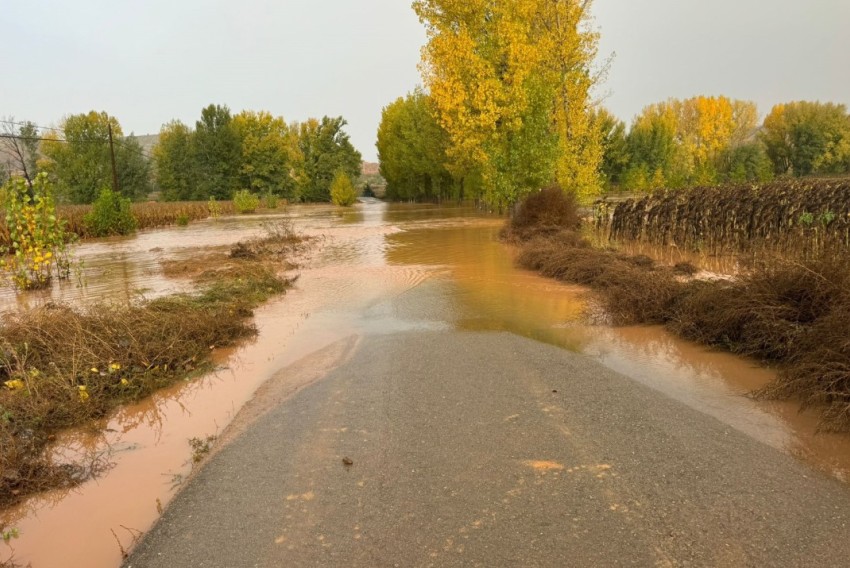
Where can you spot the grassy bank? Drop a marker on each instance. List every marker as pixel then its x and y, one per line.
pixel 62 367
pixel 792 312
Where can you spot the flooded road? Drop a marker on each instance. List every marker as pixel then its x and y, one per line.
pixel 376 270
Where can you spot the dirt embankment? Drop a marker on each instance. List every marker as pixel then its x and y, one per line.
pixel 789 311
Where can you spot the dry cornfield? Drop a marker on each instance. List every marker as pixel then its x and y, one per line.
pixel 149 215
pixel 795 216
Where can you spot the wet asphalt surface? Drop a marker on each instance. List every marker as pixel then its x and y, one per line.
pixel 488 449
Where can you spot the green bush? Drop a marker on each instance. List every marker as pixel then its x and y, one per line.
pixel 110 215
pixel 272 201
pixel 245 202
pixel 214 207
pixel 342 190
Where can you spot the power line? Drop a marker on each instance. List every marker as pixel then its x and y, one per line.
pixel 121 142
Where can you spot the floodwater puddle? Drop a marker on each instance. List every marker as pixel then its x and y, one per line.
pixel 376 269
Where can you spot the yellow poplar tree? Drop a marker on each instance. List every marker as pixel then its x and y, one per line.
pixel 510 82
pixel 568 48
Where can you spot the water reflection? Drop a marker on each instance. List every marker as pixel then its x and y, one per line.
pixel 491 294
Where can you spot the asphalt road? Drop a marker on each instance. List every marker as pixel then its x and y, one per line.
pixel 488 449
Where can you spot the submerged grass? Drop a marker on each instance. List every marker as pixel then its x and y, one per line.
pixel 788 311
pixel 62 367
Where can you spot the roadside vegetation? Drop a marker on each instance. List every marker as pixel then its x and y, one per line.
pixel 63 366
pixel 791 310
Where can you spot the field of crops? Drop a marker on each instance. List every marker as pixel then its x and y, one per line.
pixel 148 215
pixel 795 216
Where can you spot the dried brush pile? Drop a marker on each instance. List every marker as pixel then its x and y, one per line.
pixel 795 216
pixel 793 313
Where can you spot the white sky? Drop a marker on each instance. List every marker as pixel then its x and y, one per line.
pixel 149 62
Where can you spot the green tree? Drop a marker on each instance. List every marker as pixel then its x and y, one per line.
pixel 79 160
pixel 175 170
pixel 342 190
pixel 747 162
pixel 412 151
pixel 615 151
pixel 134 168
pixel 217 153
pixel 804 138
pixel 266 162
pixel 652 148
pixel 325 148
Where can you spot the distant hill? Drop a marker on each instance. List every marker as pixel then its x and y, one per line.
pixel 147 141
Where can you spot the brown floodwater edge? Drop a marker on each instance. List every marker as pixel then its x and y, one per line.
pixel 375 269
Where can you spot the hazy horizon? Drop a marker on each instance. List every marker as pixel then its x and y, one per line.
pixel 160 61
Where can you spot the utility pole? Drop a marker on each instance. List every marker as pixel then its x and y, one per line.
pixel 112 153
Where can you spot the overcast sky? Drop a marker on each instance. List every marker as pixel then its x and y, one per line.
pixel 149 62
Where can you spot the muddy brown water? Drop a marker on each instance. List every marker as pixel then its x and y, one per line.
pixel 377 269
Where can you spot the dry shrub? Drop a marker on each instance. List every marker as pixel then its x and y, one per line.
pixel 766 312
pixel 685 269
pixel 545 212
pixel 632 290
pixel 819 373
pixel 280 240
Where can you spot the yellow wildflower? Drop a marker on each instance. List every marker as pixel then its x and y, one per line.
pixel 15 384
pixel 114 367
pixel 83 393
pixel 125 382
pixel 94 370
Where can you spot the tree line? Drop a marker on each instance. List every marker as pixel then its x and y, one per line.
pixel 223 153
pixel 714 140
pixel 506 109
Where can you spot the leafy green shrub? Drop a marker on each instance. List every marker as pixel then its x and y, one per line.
pixel 182 219
pixel 214 207
pixel 37 238
pixel 245 202
pixel 342 190
pixel 110 215
pixel 272 200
